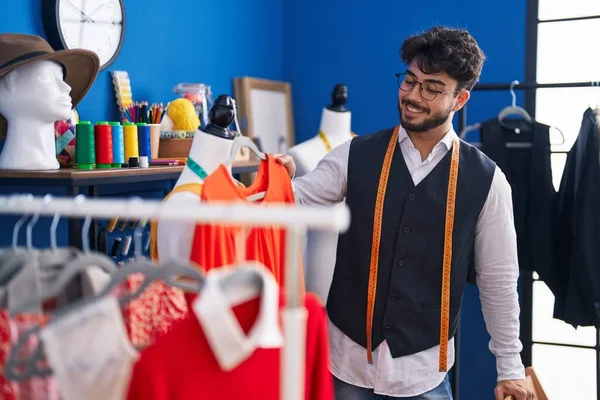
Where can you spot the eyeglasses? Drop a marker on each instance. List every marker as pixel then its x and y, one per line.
pixel 429 90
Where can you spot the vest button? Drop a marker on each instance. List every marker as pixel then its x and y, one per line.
pixel 406 229
pixel 388 329
pixel 394 297
pixel 401 263
pixel 412 196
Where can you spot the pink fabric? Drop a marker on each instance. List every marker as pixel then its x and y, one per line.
pixel 34 389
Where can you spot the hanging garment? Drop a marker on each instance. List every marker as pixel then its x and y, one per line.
pixel 33 389
pixel 160 306
pixel 215 245
pixel 529 173
pixel 225 350
pixel 578 229
pixel 90 353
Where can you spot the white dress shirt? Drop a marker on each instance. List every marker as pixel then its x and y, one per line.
pixel 496 265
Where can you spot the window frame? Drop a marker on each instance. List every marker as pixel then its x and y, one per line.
pixel 527 279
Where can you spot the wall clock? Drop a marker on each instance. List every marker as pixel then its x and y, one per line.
pixel 96 25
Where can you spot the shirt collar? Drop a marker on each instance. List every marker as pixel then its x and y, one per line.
pixel 445 141
pixel 227 340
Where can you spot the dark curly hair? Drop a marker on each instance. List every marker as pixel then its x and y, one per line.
pixel 443 49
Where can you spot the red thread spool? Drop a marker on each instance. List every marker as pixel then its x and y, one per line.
pixel 104 145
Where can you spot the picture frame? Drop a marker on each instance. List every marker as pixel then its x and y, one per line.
pixel 265 112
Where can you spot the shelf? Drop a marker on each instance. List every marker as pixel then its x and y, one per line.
pixel 75 177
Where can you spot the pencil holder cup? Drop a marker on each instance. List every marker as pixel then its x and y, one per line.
pixel 154 140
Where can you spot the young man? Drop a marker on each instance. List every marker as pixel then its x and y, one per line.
pixel 392 291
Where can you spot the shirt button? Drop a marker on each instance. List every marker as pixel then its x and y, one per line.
pixel 407 229
pixel 394 297
pixel 401 263
pixel 388 329
pixel 597 305
pixel 411 196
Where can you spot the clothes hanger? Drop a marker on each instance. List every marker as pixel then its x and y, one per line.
pixel 25 368
pixel 72 269
pixel 13 258
pixel 469 128
pixel 514 109
pixel 242 141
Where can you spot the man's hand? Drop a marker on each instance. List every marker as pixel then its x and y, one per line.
pixel 518 388
pixel 287 162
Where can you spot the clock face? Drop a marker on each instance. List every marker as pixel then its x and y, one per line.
pixel 95 25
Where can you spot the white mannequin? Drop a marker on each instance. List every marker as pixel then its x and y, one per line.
pixel 174 238
pixel 32 98
pixel 320 251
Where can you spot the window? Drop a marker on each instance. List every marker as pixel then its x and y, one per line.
pixel 566 359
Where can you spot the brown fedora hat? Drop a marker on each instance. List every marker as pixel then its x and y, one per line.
pixel 81 66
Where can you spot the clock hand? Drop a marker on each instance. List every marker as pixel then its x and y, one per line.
pixel 96 10
pixel 77 9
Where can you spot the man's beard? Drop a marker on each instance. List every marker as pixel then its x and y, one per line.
pixel 430 123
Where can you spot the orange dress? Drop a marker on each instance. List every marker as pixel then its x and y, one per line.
pixel 215 246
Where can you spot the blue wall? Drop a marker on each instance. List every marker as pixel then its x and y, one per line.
pixel 357 43
pixel 314 44
pixel 165 44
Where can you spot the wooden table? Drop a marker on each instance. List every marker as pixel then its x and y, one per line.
pixel 75 181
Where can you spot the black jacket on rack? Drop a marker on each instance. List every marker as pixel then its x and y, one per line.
pixel 578 231
pixel 529 174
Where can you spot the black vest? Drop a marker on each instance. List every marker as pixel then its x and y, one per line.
pixel 407 304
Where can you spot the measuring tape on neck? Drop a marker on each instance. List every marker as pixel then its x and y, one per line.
pixel 325 141
pixel 447 259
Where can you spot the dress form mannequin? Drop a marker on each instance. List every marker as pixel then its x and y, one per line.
pixel 32 98
pixel 320 247
pixel 211 147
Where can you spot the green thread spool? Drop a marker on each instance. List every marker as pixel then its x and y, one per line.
pixel 85 151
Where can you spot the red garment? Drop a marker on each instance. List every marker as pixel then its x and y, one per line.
pixel 182 366
pixel 154 311
pixel 215 245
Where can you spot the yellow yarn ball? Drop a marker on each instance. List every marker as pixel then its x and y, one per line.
pixel 183 114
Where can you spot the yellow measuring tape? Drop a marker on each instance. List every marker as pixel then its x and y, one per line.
pixel 325 141
pixel 447 260
pixel 447 266
pixel 374 264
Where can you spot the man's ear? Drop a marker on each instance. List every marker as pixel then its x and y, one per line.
pixel 461 99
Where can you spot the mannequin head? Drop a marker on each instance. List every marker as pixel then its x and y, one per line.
pixel 35 91
pixel 339 97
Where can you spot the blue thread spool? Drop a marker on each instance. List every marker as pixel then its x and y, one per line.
pixel 144 139
pixel 118 144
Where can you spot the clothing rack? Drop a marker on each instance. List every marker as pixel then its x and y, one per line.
pixel 527 280
pixel 527 86
pixel 296 219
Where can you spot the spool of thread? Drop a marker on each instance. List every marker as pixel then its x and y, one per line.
pixel 112 224
pixel 114 251
pixel 126 245
pixel 122 224
pixel 144 163
pixel 130 137
pixel 104 145
pixel 144 139
pixel 118 144
pixel 134 162
pixel 85 151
